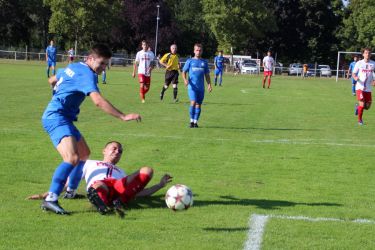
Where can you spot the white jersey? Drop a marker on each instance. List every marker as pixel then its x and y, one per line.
pixel 99 170
pixel 144 60
pixel 268 63
pixel 365 73
pixel 71 52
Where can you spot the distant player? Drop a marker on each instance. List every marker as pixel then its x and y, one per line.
pixel 268 64
pixel 305 69
pixel 219 67
pixel 363 74
pixel 71 55
pixel 51 56
pixel 172 65
pixel 71 86
pixel 144 62
pixel 198 70
pixel 350 73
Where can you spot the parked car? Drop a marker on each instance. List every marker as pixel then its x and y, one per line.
pixel 249 68
pixel 325 70
pixel 118 61
pixel 295 69
pixel 278 68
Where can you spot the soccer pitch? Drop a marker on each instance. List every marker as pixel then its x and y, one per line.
pixel 293 151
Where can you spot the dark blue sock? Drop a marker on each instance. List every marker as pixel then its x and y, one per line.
pixel 192 112
pixel 53 72
pixel 215 80
pixel 221 80
pixel 197 113
pixel 76 175
pixel 59 177
pixel 48 72
pixel 353 88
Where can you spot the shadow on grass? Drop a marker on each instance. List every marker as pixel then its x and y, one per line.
pixel 158 202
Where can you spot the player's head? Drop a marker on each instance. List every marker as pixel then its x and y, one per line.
pixel 112 152
pixel 145 46
pixel 355 58
pixel 173 48
pixel 98 58
pixel 220 52
pixel 366 52
pixel 198 50
pixel 51 42
pixel 269 53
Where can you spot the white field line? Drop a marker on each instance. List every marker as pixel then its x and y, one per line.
pixel 257 223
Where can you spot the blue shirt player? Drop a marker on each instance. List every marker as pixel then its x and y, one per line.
pixel 219 67
pixel 198 70
pixel 71 86
pixel 51 52
pixel 350 73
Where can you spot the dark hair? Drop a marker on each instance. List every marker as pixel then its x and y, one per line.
pixel 101 50
pixel 198 45
pixel 220 51
pixel 367 48
pixel 112 142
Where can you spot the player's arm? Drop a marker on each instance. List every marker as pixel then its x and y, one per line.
pixel 163 62
pixel 208 80
pixel 52 81
pixel 46 55
pixel 135 67
pixel 108 108
pixel 151 190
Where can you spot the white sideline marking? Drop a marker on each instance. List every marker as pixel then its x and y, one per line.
pixel 244 91
pixel 258 222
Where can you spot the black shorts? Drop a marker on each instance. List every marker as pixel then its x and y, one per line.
pixel 171 76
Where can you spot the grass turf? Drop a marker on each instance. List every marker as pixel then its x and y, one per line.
pixel 295 149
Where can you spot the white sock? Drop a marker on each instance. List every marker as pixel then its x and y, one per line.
pixel 191 120
pixel 52 197
pixel 195 121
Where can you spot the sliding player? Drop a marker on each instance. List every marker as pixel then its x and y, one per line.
pixel 363 74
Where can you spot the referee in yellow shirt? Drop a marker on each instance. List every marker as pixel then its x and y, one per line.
pixel 172 64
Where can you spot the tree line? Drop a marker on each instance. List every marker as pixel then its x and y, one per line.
pixel 297 30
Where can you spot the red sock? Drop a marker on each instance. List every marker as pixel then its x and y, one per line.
pixel 360 113
pixel 103 194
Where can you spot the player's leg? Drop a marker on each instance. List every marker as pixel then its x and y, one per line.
pixel 167 81
pixel 141 89
pixel 269 80
pixel 353 86
pixel 264 80
pixel 197 112
pixel 192 97
pixel 104 77
pixel 99 194
pixel 221 78
pixel 174 85
pixel 361 106
pixel 146 87
pixel 75 175
pixel 129 186
pixel 48 67
pixel 53 68
pixel 216 73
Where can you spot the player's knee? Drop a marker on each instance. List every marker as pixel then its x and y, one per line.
pixel 147 171
pixel 72 159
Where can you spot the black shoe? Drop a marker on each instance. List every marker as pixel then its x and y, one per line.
pixel 53 206
pixel 175 100
pixel 161 96
pixel 104 82
pixel 117 205
pixel 192 125
pixel 99 204
pixel 69 195
pixel 196 125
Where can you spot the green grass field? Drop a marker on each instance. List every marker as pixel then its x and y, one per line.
pixel 293 150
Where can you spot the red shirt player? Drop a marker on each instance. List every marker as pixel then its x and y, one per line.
pixel 268 63
pixel 144 61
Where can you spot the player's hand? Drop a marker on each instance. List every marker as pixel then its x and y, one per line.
pixel 209 87
pixel 165 179
pixel 130 117
pixel 186 82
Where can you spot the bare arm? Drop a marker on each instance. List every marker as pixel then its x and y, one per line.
pixel 52 81
pixel 208 80
pixel 184 76
pixel 135 66
pixel 107 107
pixel 149 191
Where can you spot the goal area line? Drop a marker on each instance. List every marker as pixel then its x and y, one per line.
pixel 257 224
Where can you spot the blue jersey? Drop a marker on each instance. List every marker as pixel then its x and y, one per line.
pixel 74 83
pixel 51 53
pixel 351 66
pixel 196 68
pixel 219 62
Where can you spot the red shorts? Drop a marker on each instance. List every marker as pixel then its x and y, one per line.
pixel 364 96
pixel 118 188
pixel 267 73
pixel 144 79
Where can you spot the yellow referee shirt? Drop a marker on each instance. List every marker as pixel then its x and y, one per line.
pixel 171 60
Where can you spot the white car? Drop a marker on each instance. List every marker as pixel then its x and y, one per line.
pixel 325 70
pixel 249 68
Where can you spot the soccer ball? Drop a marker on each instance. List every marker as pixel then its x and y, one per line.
pixel 179 197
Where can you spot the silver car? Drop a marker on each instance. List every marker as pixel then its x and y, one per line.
pixel 249 68
pixel 295 69
pixel 325 70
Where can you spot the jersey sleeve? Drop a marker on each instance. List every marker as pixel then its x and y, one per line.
pixel 89 83
pixel 137 59
pixel 186 66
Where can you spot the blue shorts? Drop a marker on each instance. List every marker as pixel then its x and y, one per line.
pixel 58 129
pixel 51 63
pixel 218 72
pixel 196 96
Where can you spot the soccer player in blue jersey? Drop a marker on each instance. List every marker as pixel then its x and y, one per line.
pixel 350 73
pixel 71 86
pixel 51 58
pixel 198 70
pixel 219 67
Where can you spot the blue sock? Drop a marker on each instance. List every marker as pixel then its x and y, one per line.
pixel 192 112
pixel 104 76
pixel 221 80
pixel 53 72
pixel 197 113
pixel 215 80
pixel 76 175
pixel 48 72
pixel 353 88
pixel 59 177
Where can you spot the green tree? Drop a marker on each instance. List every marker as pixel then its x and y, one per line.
pixel 234 22
pixel 359 25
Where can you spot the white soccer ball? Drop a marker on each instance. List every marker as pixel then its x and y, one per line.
pixel 179 197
